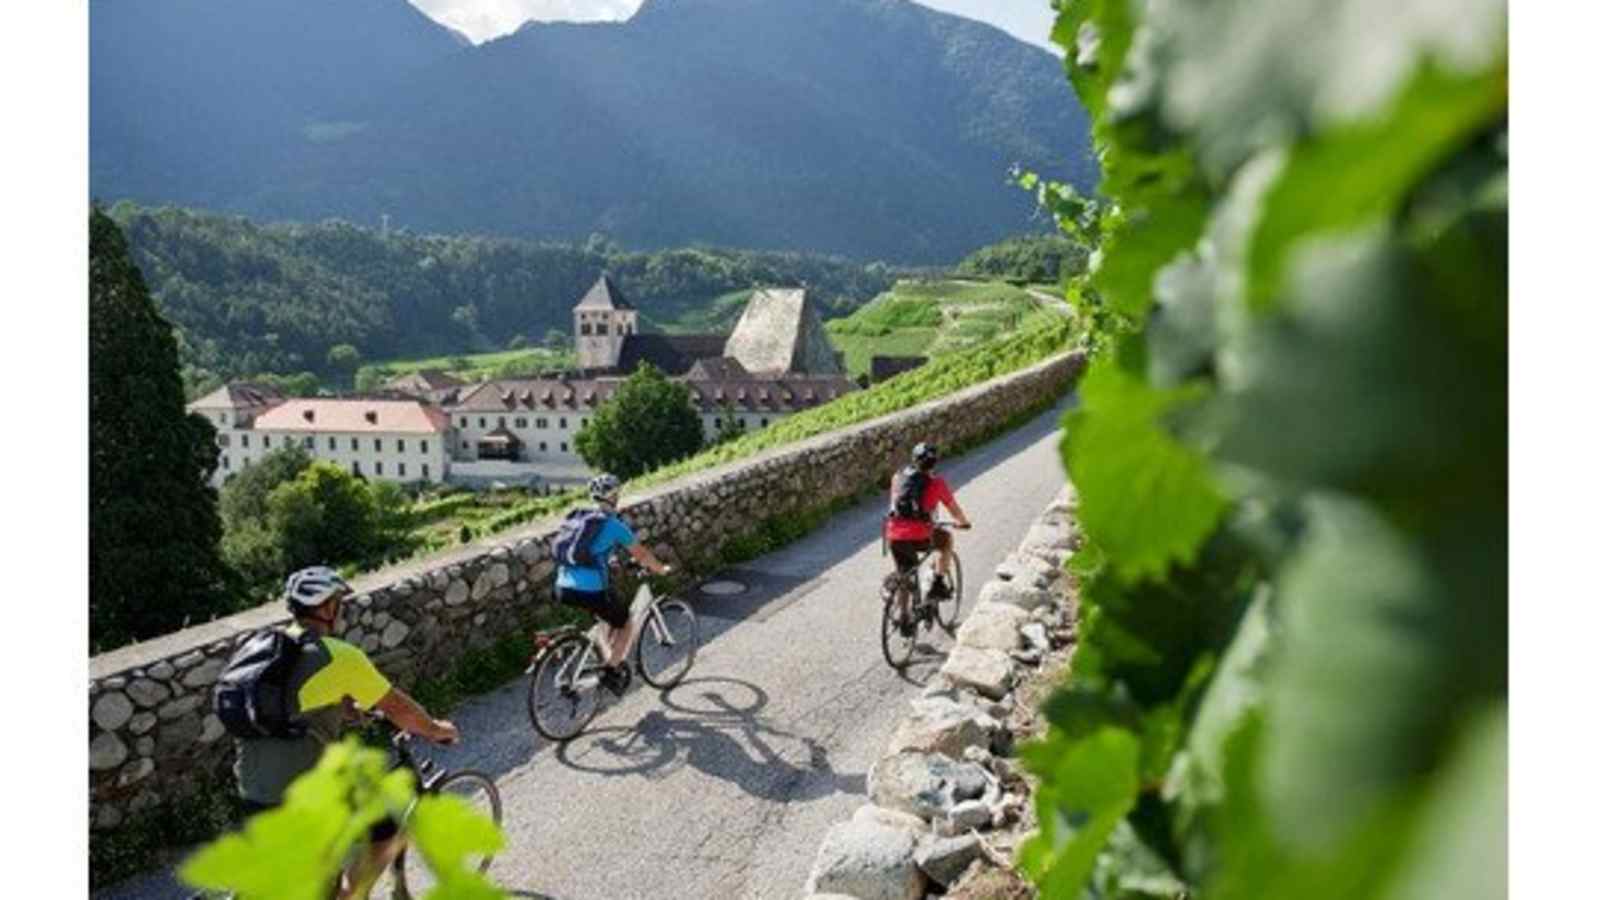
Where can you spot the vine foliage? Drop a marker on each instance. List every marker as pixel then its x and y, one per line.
pixel 1290 456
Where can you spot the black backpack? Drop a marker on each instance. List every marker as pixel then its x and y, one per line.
pixel 574 542
pixel 252 693
pixel 907 500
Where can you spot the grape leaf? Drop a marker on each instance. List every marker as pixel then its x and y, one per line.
pixel 1088 787
pixel 448 829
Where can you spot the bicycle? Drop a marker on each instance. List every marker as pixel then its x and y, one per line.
pixel 564 691
pixel 412 877
pixel 905 609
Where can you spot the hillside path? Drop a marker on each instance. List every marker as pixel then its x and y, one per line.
pixel 725 785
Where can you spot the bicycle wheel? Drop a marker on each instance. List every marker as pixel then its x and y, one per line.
pixel 947 611
pixel 565 689
pixel 668 639
pixel 413 878
pixel 898 631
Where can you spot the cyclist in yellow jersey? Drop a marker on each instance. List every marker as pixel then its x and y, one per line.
pixel 327 674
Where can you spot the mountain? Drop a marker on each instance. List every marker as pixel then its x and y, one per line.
pixel 868 128
pixel 210 102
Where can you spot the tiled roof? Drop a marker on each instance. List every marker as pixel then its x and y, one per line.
pixel 674 354
pixel 535 394
pixel 239 395
pixel 604 295
pixel 750 393
pixel 425 380
pixel 354 415
pixel 719 368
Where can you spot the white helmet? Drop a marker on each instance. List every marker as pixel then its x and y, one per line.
pixel 311 587
pixel 604 487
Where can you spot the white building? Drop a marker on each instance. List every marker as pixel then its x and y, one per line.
pixel 395 440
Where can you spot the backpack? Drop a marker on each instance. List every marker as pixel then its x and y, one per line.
pixel 252 693
pixel 907 500
pixel 574 542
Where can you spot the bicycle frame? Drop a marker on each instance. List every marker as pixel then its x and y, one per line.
pixel 644 613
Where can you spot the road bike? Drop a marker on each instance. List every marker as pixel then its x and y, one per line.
pixel 412 877
pixel 906 606
pixel 564 690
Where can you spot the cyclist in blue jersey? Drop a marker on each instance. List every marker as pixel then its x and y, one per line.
pixel 589 587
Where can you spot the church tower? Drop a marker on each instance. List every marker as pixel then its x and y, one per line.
pixel 601 322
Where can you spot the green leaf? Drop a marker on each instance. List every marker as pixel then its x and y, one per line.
pixel 448 829
pixel 1320 190
pixel 1088 788
pixel 1145 499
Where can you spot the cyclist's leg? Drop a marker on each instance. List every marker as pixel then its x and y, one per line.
pixel 945 544
pixel 906 561
pixel 384 843
pixel 619 628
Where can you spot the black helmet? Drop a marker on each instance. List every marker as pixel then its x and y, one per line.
pixel 925 455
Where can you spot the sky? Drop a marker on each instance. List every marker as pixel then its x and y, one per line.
pixel 481 20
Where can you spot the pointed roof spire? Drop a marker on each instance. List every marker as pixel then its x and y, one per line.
pixel 604 295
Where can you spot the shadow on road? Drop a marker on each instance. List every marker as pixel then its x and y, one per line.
pixel 712 725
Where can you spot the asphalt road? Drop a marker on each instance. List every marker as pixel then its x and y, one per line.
pixel 725 785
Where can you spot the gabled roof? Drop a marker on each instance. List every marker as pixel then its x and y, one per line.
pixel 239 395
pixel 535 395
pixel 425 380
pixel 674 354
pixel 719 368
pixel 780 331
pixel 604 295
pixel 321 414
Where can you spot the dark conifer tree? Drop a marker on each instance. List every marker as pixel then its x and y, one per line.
pixel 154 531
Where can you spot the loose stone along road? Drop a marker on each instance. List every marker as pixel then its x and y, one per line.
pixel 724 785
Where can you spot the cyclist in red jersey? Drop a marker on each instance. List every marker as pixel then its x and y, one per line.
pixel 911 534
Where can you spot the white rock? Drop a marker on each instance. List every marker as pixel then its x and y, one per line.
pixel 1013 593
pixel 986 671
pixel 457 593
pixel 106 751
pixel 211 729
pixel 162 670
pixel 940 725
pixel 892 818
pixel 944 859
pixel 136 771
pixel 142 722
pixel 970 814
pixel 112 710
pixel 148 693
pixel 867 861
pixel 992 626
pixel 1033 634
pixel 180 707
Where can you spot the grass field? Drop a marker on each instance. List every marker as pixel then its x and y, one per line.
pixel 477 366
pixel 931 318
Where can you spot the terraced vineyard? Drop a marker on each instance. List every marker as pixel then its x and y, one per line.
pixel 932 318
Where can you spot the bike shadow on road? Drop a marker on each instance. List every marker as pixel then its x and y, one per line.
pixel 713 725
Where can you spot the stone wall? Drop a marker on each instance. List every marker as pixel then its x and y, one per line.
pixel 152 739
pixel 946 800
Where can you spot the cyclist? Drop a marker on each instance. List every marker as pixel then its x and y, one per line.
pixel 910 535
pixel 589 587
pixel 328 674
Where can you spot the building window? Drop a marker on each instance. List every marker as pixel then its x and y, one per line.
pixel 563 421
pixel 377 445
pixel 222 440
pixel 224 460
pixel 482 422
pixel 377 467
pixel 424 446
pixel 355 468
pixel 583 423
pixel 541 423
pixel 333 442
pixel 502 422
pixel 424 470
pixel 583 328
pixel 599 328
pixel 521 422
pixel 563 446
pixel 355 443
pixel 266 441
pixel 544 447
pixel 463 421
pixel 399 445
pixel 402 470
pixel 466 446
pixel 763 423
pixel 244 440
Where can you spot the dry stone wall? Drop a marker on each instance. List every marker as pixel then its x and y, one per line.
pixel 947 782
pixel 153 739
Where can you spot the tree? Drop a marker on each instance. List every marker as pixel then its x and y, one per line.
pixel 556 341
pixel 244 497
pixel 154 531
pixel 647 423
pixel 516 342
pixel 730 426
pixel 344 358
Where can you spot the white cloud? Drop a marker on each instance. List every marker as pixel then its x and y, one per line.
pixel 485 19
pixel 481 20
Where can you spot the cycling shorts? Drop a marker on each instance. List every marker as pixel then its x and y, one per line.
pixel 609 608
pixel 905 552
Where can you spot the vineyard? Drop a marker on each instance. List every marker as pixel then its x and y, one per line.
pixel 1290 456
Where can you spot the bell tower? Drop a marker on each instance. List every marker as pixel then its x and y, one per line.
pixel 601 324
